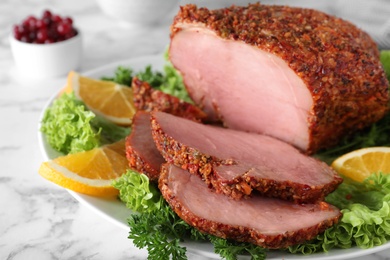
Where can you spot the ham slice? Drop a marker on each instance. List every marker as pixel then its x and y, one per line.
pixel 299 75
pixel 235 162
pixel 141 151
pixel 267 222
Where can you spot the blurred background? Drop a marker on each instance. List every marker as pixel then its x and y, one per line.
pixel 372 16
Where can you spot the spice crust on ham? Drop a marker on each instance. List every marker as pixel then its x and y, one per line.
pixel 334 83
pixel 267 222
pixel 148 99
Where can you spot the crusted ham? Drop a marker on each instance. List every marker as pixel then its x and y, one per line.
pixel 267 222
pixel 141 151
pixel 236 163
pixel 299 75
pixel 148 99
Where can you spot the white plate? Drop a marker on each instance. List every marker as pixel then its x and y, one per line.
pixel 116 212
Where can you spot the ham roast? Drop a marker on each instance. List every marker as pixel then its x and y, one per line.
pixel 299 75
pixel 270 223
pixel 235 162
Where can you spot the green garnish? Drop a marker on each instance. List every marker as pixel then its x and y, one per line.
pixel 385 60
pixel 121 76
pixel 70 127
pixel 137 193
pixel 169 81
pixel 366 217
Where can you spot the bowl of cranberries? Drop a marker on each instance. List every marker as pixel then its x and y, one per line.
pixel 46 46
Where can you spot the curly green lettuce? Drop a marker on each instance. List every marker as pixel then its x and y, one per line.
pixel 138 193
pixel 366 217
pixel 69 126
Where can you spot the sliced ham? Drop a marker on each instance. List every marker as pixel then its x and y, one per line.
pixel 267 222
pixel 299 75
pixel 235 162
pixel 141 151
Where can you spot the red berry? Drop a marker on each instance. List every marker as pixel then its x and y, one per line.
pixel 56 18
pixel 40 24
pixel 64 28
pixel 30 22
pixel 47 21
pixel 32 36
pixel 17 33
pixel 68 20
pixel 42 35
pixel 46 14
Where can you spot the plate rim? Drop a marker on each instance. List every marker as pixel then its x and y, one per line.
pixel 355 252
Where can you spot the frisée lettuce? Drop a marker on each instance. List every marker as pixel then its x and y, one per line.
pixel 366 216
pixel 69 126
pixel 138 193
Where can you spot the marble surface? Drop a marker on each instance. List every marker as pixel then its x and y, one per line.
pixel 39 220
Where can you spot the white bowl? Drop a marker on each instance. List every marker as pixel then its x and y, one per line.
pixel 138 11
pixel 47 60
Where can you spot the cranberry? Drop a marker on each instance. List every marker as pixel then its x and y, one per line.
pixel 70 34
pixel 40 24
pixel 47 14
pixel 32 36
pixel 56 19
pixel 46 20
pixel 68 20
pixel 64 28
pixel 17 33
pixel 30 22
pixel 42 35
pixel 47 29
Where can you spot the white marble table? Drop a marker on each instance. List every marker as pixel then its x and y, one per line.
pixel 39 220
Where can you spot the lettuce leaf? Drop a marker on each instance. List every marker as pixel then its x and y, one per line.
pixel 138 193
pixel 69 126
pixel 366 217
